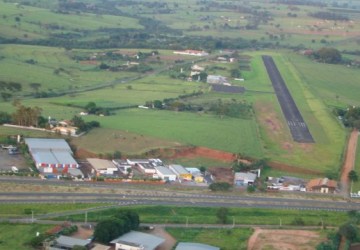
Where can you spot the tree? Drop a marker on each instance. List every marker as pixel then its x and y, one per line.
pixel 35 86
pixel 349 231
pixel 158 104
pixel 219 186
pixel 91 107
pixel 79 123
pixel 117 154
pixel 353 176
pixel 328 55
pixel 235 73
pixel 6 96
pixel 222 214
pixel 4 117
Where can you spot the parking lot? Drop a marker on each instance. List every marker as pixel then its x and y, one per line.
pixel 7 161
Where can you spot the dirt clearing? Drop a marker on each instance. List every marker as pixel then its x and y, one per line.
pixel 284 239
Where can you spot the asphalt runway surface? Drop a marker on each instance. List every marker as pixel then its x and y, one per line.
pixel 298 128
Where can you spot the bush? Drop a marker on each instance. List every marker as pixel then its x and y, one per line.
pixel 298 221
pixel 220 186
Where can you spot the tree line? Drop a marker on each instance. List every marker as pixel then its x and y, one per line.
pixel 115 226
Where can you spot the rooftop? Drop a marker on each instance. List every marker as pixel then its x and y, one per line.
pixel 321 182
pixel 53 144
pixel 71 242
pixel 164 170
pixel 99 164
pixel 194 246
pixel 179 169
pixel 243 176
pixel 148 241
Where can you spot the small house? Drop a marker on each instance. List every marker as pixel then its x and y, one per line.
pixel 65 242
pixel 137 241
pixel 102 167
pixel 181 172
pixel 321 185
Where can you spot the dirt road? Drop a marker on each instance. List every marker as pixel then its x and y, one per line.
pixel 349 162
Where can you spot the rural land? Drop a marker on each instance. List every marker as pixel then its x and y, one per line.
pixel 179 125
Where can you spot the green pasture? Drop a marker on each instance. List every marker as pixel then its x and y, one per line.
pixel 226 239
pixel 336 85
pixel 202 215
pixel 24 210
pixel 34 22
pixel 74 75
pixel 105 140
pixel 228 134
pixel 16 236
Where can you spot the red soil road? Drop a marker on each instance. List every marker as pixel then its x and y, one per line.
pixel 349 161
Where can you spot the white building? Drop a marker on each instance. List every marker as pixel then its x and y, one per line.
pixel 137 241
pixel 181 172
pixel 244 179
pixel 102 167
pixel 165 174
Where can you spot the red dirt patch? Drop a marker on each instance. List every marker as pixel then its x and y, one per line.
pixel 194 152
pixel 222 174
pixel 83 154
pixel 292 169
pixel 349 160
pixel 284 239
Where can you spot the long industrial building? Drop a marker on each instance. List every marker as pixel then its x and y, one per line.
pixel 51 155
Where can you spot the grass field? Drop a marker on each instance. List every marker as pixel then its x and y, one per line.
pixel 226 239
pixel 16 236
pixel 247 216
pixel 18 210
pixel 189 128
pixel 356 185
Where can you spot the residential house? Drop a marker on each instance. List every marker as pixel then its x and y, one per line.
pixel 137 241
pixel 321 185
pixel 197 176
pixel 244 179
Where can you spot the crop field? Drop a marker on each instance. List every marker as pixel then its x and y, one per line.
pixel 235 238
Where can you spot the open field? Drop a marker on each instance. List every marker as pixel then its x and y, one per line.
pixel 16 236
pixel 285 239
pixel 189 128
pixel 247 216
pixel 226 239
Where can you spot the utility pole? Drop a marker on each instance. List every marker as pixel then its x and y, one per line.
pixel 32 216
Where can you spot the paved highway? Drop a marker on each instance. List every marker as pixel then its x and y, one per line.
pixel 130 195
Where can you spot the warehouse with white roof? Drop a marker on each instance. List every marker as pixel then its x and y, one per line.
pixel 51 155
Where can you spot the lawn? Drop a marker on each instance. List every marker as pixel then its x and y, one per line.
pixel 226 239
pixel 16 236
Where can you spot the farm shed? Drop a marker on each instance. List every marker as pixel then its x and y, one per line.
pixel 51 155
pixel 165 174
pixel 244 179
pixel 147 168
pixel 137 241
pixel 181 172
pixel 321 185
pixel 194 246
pixel 102 167
pixel 65 242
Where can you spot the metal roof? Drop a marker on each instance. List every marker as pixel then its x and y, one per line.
pixel 100 164
pixel 194 246
pixel 148 241
pixel 52 157
pixel 165 171
pixel 71 242
pixel 178 169
pixel 54 144
pixel 243 176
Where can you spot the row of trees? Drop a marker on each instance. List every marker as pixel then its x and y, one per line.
pixel 115 226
